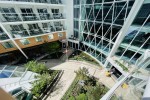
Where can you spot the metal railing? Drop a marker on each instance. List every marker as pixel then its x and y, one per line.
pixel 38 1
pixel 34 32
pixel 3 36
pixel 17 17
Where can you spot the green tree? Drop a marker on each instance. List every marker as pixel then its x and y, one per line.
pixel 81 97
pixel 82 73
pixel 43 81
pixel 51 47
pixel 36 67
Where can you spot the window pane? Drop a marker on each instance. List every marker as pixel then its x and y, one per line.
pixel 51 36
pixel 60 34
pixel 7 45
pixel 25 41
pixel 39 39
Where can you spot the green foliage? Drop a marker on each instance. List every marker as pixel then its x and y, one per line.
pixel 44 80
pixel 92 90
pixel 36 90
pixel 52 47
pixel 81 97
pixel 72 98
pixel 36 67
pixel 122 66
pixel 82 73
pixel 97 92
pixel 84 57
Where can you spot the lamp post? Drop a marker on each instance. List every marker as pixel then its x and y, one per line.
pixel 66 50
pixel 66 47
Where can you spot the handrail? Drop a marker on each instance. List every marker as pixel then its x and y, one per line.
pixel 20 81
pixel 3 68
pixel 30 16
pixel 38 1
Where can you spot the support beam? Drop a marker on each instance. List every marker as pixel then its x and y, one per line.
pixel 110 93
pixel 13 40
pixel 135 8
pixel 146 95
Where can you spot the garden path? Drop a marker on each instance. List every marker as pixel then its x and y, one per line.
pixel 67 78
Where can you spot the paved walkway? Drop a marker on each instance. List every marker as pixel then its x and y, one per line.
pixel 69 75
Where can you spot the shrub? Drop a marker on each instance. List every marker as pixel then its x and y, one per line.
pixel 52 47
pixel 82 73
pixel 36 67
pixel 81 97
pixel 84 57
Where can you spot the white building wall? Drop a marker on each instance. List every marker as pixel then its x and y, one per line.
pixel 68 10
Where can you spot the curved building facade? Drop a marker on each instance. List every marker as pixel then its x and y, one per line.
pixel 116 33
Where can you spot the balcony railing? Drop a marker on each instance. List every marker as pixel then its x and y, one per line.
pixel 10 17
pixel 58 16
pixel 35 32
pixel 32 32
pixel 48 29
pixel 45 16
pixel 73 38
pixel 3 36
pixel 29 17
pixel 18 34
pixel 14 17
pixel 59 28
pixel 38 1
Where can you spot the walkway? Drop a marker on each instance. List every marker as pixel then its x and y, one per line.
pixel 69 75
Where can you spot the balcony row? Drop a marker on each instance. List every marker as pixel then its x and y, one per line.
pixel 13 17
pixel 38 1
pixel 3 36
pixel 18 31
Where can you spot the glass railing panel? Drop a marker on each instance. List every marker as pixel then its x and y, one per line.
pixel 24 0
pixel 39 1
pixel 56 2
pixel 45 16
pixel 3 36
pixel 21 69
pixel 17 74
pixel 35 32
pixel 59 28
pixel 46 30
pixel 5 74
pixel 10 68
pixel 19 34
pixel 13 17
pixel 10 17
pixel 29 17
pixel 1 67
pixel 58 16
pixel 128 91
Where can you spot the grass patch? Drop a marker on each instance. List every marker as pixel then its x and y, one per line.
pixel 81 56
pixel 122 66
